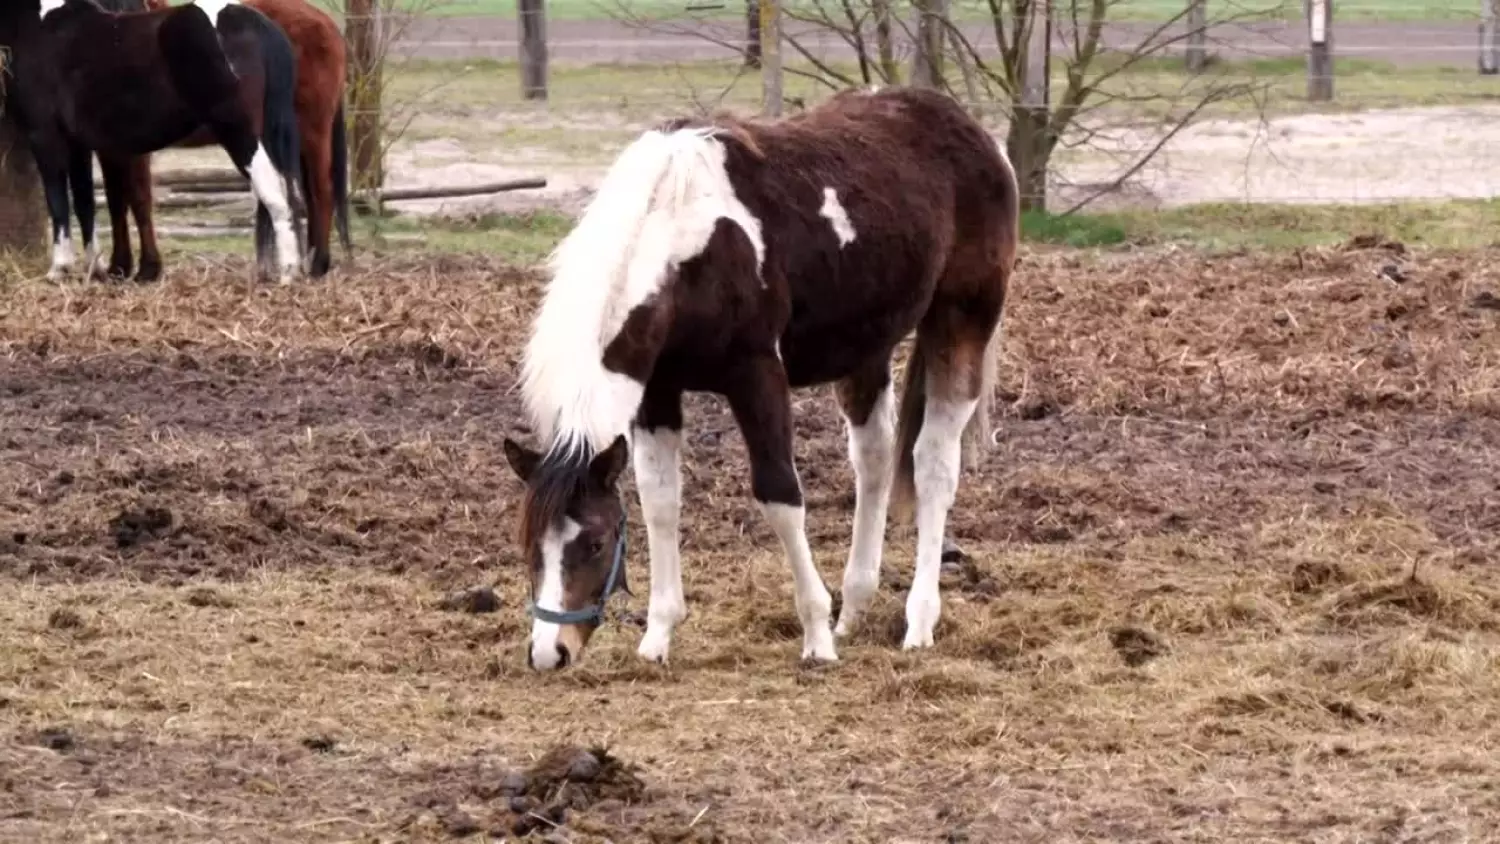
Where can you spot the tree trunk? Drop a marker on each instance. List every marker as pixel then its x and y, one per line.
pixel 23 210
pixel 362 34
pixel 752 34
pixel 1028 148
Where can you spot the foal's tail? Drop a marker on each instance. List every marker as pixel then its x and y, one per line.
pixel 341 179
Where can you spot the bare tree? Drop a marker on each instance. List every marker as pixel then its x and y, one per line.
pixel 1101 92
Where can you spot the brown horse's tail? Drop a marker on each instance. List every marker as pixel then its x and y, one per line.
pixel 341 179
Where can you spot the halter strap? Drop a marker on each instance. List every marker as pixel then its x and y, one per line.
pixel 593 611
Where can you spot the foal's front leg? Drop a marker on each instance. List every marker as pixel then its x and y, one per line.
pixel 761 402
pixel 656 453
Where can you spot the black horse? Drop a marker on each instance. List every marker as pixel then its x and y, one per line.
pixel 84 80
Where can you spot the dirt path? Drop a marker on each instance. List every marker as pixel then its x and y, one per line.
pixel 607 41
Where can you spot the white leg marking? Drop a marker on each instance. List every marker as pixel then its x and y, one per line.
pixel 62 256
pixel 657 458
pixel 266 184
pixel 936 463
pixel 549 596
pixel 833 211
pixel 872 450
pixel 212 8
pixel 814 604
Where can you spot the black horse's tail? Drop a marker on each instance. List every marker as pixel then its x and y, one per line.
pixel 341 179
pixel 279 131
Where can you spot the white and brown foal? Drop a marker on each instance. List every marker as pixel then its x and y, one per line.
pixel 748 259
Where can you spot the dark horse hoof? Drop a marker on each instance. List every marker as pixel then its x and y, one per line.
pixel 149 272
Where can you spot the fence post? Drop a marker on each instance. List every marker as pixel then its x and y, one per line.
pixel 1489 41
pixel 362 34
pixel 533 48
pixel 752 34
pixel 770 57
pixel 1319 50
pixel 1197 36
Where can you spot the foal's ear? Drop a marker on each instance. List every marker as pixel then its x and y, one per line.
pixel 522 460
pixel 609 464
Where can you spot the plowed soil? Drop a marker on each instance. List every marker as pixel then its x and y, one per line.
pixel 1231 575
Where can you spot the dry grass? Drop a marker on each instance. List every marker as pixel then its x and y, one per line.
pixel 1230 575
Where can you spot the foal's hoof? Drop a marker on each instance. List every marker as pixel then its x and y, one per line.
pixel 653 648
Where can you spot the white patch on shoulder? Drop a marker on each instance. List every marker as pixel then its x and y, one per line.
pixel 549 595
pixel 212 8
pixel 833 211
pixel 49 6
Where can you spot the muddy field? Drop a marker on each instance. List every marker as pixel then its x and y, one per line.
pixel 1231 578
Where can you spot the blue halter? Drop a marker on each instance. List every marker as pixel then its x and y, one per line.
pixel 592 612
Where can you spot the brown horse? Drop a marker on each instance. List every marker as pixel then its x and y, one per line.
pixel 84 81
pixel 321 70
pixel 749 259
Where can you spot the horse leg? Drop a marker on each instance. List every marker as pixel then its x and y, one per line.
pixel 656 453
pixel 761 403
pixel 52 166
pixel 116 197
pixel 81 180
pixel 868 407
pixel 138 172
pixel 318 182
pixel 948 377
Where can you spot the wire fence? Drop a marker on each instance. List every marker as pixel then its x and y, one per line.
pixel 1404 107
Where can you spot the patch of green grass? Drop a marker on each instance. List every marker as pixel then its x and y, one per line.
pixel 963 10
pixel 1080 230
pixel 527 238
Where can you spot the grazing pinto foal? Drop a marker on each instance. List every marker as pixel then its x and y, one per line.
pixel 747 259
pixel 86 81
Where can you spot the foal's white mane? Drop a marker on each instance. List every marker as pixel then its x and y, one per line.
pixel 656 208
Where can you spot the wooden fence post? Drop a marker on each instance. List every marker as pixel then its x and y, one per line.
pixel 533 48
pixel 1319 50
pixel 770 58
pixel 362 34
pixel 1197 36
pixel 1489 40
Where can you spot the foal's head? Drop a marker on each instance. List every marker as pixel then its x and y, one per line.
pixel 573 535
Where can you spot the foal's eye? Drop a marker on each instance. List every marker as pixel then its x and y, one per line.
pixel 596 547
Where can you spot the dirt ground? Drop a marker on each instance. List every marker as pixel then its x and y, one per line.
pixel 1231 575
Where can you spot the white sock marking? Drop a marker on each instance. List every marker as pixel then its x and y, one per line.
pixel 833 211
pixel 267 185
pixel 657 458
pixel 656 208
pixel 936 458
pixel 872 451
pixel 549 596
pixel 814 604
pixel 62 255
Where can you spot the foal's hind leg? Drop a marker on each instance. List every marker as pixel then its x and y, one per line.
pixel 761 402
pixel 869 413
pixel 81 180
pixel 656 449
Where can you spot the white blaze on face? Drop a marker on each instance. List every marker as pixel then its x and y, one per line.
pixel 268 186
pixel 549 595
pixel 833 211
pixel 212 8
pixel 51 6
